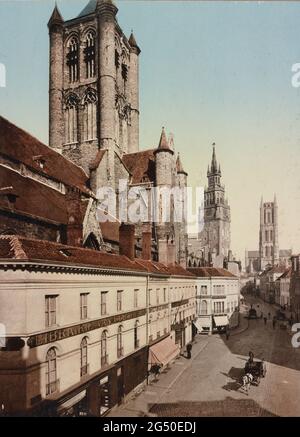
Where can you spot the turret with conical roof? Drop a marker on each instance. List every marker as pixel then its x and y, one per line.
pixel 164 161
pixel 56 18
pixel 179 166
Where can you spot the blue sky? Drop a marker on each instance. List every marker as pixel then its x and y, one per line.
pixel 210 71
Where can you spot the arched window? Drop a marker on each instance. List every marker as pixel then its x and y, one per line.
pixel 84 357
pixel 120 349
pixel 71 123
pixel 51 372
pixel 90 55
pixel 90 116
pixel 203 308
pixel 104 356
pixel 136 337
pixel 73 60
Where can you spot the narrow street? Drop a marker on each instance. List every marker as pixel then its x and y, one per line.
pixel 209 385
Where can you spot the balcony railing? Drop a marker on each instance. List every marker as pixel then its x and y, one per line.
pixel 52 387
pixel 104 360
pixel 120 352
pixel 84 370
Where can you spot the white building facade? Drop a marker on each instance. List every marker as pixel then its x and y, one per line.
pixel 217 299
pixel 83 328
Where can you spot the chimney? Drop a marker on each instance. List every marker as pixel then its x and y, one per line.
pixel 127 240
pixel 74 226
pixel 163 251
pixel 171 253
pixel 146 245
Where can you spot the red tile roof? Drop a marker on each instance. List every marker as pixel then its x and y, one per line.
pixel 178 270
pixel 21 248
pixel 14 247
pixel 141 165
pixel 154 267
pixel 208 272
pixel 32 198
pixel 20 146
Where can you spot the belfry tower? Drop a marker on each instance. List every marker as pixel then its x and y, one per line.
pixel 93 87
pixel 268 234
pixel 215 236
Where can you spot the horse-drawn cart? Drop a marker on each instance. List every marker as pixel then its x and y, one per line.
pixel 257 369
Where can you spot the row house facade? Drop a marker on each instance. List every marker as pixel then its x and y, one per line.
pixel 268 282
pixel 295 288
pixel 282 289
pixel 217 299
pixel 84 328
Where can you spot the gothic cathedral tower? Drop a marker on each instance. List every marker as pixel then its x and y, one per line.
pixel 93 88
pixel 268 234
pixel 215 236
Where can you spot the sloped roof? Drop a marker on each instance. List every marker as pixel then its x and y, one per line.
pixel 21 248
pixel 286 274
pixel 100 154
pixel 141 165
pixel 32 198
pixel 285 252
pixel 253 253
pixel 90 8
pixel 207 272
pixel 22 147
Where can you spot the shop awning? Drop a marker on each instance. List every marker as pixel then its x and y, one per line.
pixel 221 320
pixel 163 352
pixel 202 322
pixel 73 401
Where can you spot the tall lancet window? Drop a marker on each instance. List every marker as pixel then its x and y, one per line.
pixel 90 55
pixel 73 59
pixel 90 116
pixel 71 123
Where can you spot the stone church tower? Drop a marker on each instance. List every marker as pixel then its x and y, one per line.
pixel 215 237
pixel 93 89
pixel 94 119
pixel 268 234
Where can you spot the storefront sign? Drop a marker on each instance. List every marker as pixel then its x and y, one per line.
pixel 72 331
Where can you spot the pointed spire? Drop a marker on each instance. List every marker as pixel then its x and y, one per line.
pixel 275 200
pixel 179 166
pixel 163 143
pixel 261 201
pixel 133 44
pixel 56 17
pixel 214 164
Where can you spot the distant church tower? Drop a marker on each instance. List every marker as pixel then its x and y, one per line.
pixel 268 234
pixel 93 88
pixel 215 236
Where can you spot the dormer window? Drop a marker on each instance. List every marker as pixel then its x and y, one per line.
pixel 39 161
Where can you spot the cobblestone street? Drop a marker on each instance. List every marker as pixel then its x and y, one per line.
pixel 208 385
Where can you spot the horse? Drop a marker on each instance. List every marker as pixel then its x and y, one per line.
pixel 246 382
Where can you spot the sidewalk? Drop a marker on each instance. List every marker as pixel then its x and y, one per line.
pixel 152 393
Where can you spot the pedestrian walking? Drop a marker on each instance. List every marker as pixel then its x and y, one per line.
pixel 269 315
pixel 189 350
pixel 261 315
pixel 274 323
pixel 227 334
pixel 265 320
